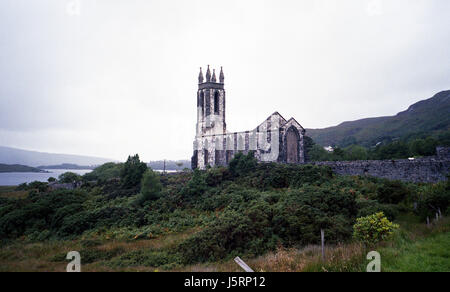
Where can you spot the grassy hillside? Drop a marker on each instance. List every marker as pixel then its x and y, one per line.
pixel 427 117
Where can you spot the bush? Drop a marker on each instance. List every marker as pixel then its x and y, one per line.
pixel 39 212
pixel 433 198
pixel 217 175
pixel 392 192
pixel 132 172
pixel 231 234
pixel 69 177
pixel 38 186
pixel 300 215
pixel 150 187
pixel 369 207
pixel 195 187
pixel 104 172
pixel 373 229
pixel 243 164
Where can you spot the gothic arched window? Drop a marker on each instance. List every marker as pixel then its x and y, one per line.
pixel 216 102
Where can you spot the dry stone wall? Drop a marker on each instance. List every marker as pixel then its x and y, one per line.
pixel 428 169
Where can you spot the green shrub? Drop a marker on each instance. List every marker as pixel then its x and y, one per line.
pixel 373 229
pixel 369 207
pixel 433 198
pixel 242 164
pixel 300 215
pixel 392 192
pixel 69 177
pixel 132 172
pixel 217 175
pixel 231 234
pixel 104 172
pixel 150 187
pixel 195 187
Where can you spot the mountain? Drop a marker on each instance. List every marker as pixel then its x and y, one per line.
pixel 17 156
pixel 429 117
pixel 18 168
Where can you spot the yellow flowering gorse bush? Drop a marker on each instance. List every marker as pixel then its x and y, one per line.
pixel 373 228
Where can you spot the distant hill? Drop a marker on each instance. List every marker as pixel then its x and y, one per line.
pixel 431 116
pixel 24 157
pixel 18 168
pixel 66 166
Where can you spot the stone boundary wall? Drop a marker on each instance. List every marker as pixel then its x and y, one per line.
pixel 428 169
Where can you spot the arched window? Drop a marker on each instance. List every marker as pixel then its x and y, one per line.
pixel 216 102
pixel 202 101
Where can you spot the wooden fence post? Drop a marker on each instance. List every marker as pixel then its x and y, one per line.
pixel 242 264
pixel 428 221
pixel 322 237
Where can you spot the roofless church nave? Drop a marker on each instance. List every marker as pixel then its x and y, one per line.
pixel 274 140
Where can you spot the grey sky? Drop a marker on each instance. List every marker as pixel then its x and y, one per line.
pixel 119 77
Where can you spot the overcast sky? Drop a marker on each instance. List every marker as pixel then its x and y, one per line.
pixel 113 77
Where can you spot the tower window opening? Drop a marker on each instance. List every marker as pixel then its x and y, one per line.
pixel 202 101
pixel 216 102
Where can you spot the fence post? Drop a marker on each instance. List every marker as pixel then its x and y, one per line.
pixel 322 237
pixel 242 264
pixel 437 216
pixel 428 221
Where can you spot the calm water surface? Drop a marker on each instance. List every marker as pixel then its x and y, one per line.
pixel 16 178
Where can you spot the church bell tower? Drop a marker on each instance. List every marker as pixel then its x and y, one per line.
pixel 210 104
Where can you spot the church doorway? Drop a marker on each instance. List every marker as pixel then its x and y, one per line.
pixel 292 139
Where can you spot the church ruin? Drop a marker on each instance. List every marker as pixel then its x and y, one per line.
pixel 274 140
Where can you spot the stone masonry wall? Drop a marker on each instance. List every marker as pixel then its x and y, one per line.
pixel 429 169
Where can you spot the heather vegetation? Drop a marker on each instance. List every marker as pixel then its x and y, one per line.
pixel 126 216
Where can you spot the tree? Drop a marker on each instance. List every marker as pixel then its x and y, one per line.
pixel 51 179
pixel 69 177
pixel 355 152
pixel 132 172
pixel 151 187
pixel 338 154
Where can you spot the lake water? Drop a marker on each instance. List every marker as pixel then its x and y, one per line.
pixel 17 178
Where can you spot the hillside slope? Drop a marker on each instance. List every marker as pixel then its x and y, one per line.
pixel 18 168
pixel 32 158
pixel 429 116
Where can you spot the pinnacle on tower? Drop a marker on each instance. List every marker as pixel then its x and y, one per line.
pixel 214 79
pixel 221 76
pixel 208 75
pixel 200 76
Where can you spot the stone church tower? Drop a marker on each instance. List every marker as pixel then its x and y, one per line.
pixel 274 140
pixel 211 104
